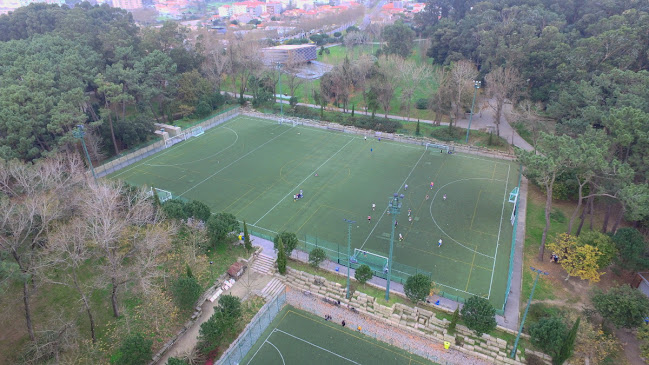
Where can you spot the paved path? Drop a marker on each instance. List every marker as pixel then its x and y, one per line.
pixel 380 330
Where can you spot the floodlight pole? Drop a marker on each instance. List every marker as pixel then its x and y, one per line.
pixel 395 207
pixel 281 101
pixel 476 85
pixel 520 330
pixel 79 133
pixel 349 247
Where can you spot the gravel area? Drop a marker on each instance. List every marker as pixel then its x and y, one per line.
pixel 382 331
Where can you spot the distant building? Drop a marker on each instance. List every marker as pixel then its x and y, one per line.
pixel 290 53
pixel 128 4
pixel 274 8
pixel 225 11
pixel 27 2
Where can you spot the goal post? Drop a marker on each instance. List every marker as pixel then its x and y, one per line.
pixel 440 147
pixel 374 261
pixel 175 139
pixel 163 195
pixel 196 131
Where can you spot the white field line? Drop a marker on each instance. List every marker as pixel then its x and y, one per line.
pixel 253 356
pixel 499 229
pixel 314 345
pixel 231 163
pixel 386 208
pixel 278 351
pixel 305 179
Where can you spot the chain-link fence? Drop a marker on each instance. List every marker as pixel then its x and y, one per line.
pixel 242 345
pixel 121 161
pixel 513 248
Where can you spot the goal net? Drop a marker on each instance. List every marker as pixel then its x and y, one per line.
pixel 440 147
pixel 175 139
pixel 374 261
pixel 513 198
pixel 163 195
pixel 195 131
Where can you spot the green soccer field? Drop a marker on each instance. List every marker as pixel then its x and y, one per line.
pixel 298 337
pixel 253 167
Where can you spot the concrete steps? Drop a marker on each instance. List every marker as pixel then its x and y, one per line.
pixel 263 264
pixel 271 289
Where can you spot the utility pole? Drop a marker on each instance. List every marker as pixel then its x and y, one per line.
pixel 349 248
pixel 80 133
pixel 395 207
pixel 476 85
pixel 520 330
pixel 281 100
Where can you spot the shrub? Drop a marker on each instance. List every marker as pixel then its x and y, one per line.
pixel 220 225
pixel 289 240
pixel 337 34
pixel 363 274
pixel 643 340
pixel 421 104
pixel 174 209
pixel 198 210
pixel 531 359
pixel 623 306
pixel 557 216
pixel 603 243
pixel 548 335
pixel 134 350
pixel 479 315
pixel 186 291
pixel 316 256
pixel 417 287
pixel 281 256
pixel 454 319
pixel 446 134
pixel 293 101
pixel 632 249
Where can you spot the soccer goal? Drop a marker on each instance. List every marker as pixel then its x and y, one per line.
pixel 195 131
pixel 513 198
pixel 163 195
pixel 175 139
pixel 440 147
pixel 374 261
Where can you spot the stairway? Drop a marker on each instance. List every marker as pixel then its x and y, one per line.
pixel 272 288
pixel 263 264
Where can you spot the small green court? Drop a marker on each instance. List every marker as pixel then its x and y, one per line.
pixel 253 167
pixel 298 337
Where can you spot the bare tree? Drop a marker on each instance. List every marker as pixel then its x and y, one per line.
pixel 35 198
pixel 95 145
pixel 528 113
pixel 115 218
pixel 216 64
pixel 411 79
pixel 503 83
pixel 441 101
pixel 385 82
pixel 68 251
pixel 354 39
pixel 293 81
pixel 461 80
pixel 244 56
pixel 361 74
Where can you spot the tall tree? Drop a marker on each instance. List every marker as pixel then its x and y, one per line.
pixel 503 83
pixel 399 38
pixel 36 198
pixel 412 78
pixel 543 167
pixel 461 78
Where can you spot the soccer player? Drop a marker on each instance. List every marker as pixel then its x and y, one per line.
pixel 439 243
pixel 405 187
pixel 400 237
pixel 294 197
pixel 369 218
pixel 373 206
pixel 409 211
pixel 366 138
pixel 427 197
pixel 431 185
pixel 409 219
pixel 444 197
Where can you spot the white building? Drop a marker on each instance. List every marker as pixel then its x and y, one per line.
pixel 225 11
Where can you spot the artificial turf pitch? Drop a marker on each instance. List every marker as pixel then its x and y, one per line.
pixel 253 167
pixel 298 337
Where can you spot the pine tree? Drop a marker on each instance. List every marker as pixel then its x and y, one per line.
pixel 353 110
pixel 281 257
pixel 454 319
pixel 246 238
pixel 417 130
pixel 568 345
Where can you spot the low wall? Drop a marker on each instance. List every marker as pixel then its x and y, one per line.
pixel 420 321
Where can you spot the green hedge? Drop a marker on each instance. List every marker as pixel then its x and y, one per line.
pixel 360 121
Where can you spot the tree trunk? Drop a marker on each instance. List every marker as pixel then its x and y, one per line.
pixel 582 219
pixel 618 220
pixel 86 304
pixel 574 214
pixel 607 215
pixel 591 211
pixel 548 209
pixel 28 312
pixel 112 131
pixel 113 298
pixel 499 111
